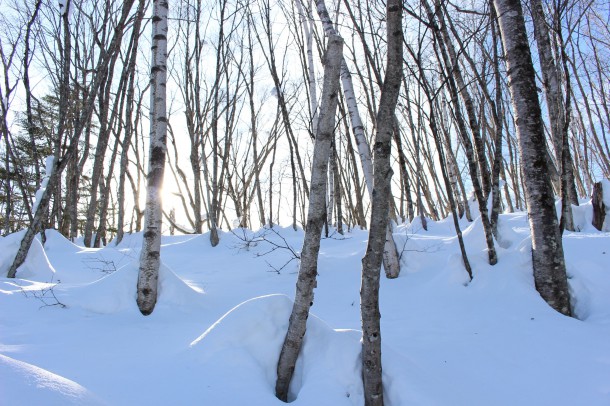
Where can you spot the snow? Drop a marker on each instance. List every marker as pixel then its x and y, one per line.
pixel 244 345
pixel 36 266
pixel 62 7
pixel 26 384
pixel 70 331
pixel 606 192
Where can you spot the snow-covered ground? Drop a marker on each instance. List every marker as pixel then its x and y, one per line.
pixel 70 331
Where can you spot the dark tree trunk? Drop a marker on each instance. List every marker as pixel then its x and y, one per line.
pixel 599 208
pixel 547 249
pixel 551 81
pixel 126 143
pixel 382 173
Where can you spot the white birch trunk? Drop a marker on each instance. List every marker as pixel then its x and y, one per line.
pixel 315 220
pixel 150 256
pixel 391 260
pixel 547 249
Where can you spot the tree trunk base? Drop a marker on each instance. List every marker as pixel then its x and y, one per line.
pixel 599 208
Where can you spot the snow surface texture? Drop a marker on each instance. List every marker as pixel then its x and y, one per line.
pixel 26 384
pixel 71 333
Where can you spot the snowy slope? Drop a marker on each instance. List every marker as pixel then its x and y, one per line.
pixel 215 335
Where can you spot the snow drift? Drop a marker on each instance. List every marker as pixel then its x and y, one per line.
pixel 36 265
pixel 242 349
pixel 445 341
pixel 24 384
pixel 116 292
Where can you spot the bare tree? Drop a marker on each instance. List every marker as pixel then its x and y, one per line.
pixel 547 249
pixel 82 120
pixel 315 219
pixel 456 86
pixel 559 120
pixel 391 260
pixel 371 263
pixel 150 256
pixel 128 120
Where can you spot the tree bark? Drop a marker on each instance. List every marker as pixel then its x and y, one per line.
pixel 497 112
pixel 391 261
pixel 371 263
pixel 150 257
pixel 551 81
pixel 547 249
pixel 599 208
pixel 315 219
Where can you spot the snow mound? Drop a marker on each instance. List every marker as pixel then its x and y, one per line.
pixel 36 265
pixel 417 225
pixel 26 384
pixel 117 291
pixel 130 240
pixel 583 216
pixel 57 242
pixel 508 230
pixel 243 348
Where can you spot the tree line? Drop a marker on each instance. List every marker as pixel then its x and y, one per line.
pixel 243 81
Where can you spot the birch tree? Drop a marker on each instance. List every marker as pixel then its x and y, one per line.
pixel 315 219
pixel 371 263
pixel 150 256
pixel 547 249
pixel 551 81
pixel 391 261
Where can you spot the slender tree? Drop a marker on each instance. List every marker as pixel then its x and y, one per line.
pixel 371 263
pixel 315 219
pixel 551 81
pixel 150 256
pixel 27 60
pixel 391 260
pixel 457 86
pixel 129 130
pixel 547 249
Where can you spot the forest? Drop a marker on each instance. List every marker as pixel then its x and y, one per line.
pixel 135 126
